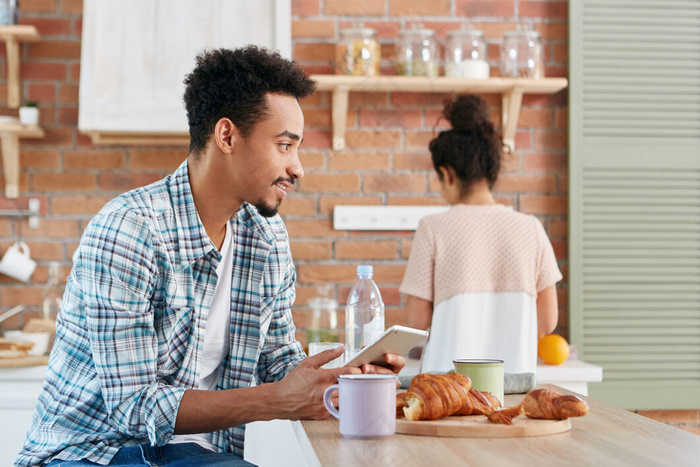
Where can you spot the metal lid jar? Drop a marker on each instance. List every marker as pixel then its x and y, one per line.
pixel 466 54
pixel 521 54
pixel 417 53
pixel 357 52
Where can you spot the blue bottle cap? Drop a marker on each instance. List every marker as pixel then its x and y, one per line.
pixel 364 270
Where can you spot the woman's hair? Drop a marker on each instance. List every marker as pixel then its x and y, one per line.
pixel 471 148
pixel 234 84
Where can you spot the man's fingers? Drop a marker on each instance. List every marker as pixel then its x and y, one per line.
pixel 324 357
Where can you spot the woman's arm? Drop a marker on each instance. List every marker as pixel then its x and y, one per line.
pixel 419 312
pixel 547 310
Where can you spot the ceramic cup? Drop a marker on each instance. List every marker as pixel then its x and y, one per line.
pixel 486 375
pixel 318 347
pixel 367 405
pixel 16 263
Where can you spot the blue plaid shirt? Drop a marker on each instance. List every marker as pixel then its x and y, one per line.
pixel 130 332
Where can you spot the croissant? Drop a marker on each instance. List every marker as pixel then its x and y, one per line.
pixel 401 403
pixel 435 396
pixel 479 403
pixel 544 404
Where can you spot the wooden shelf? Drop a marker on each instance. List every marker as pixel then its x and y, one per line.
pixel 139 138
pixel 512 90
pixel 13 35
pixel 10 134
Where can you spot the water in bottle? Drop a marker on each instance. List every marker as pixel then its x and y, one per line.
pixel 364 313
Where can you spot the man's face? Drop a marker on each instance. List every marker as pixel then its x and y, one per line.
pixel 270 157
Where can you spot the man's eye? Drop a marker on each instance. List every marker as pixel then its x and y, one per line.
pixel 285 146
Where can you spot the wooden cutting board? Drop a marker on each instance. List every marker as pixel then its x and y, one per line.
pixel 477 426
pixel 29 360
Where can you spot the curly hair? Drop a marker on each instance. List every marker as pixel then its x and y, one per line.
pixel 234 84
pixel 471 148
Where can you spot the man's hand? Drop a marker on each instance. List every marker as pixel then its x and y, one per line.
pixel 301 392
pixel 395 362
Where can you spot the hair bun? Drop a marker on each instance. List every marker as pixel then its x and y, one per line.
pixel 467 113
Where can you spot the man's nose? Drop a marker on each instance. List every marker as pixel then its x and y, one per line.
pixel 296 171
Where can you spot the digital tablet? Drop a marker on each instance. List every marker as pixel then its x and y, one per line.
pixel 397 340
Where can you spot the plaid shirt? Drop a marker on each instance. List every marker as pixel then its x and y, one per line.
pixel 131 329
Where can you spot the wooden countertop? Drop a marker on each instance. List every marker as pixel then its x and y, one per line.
pixel 606 436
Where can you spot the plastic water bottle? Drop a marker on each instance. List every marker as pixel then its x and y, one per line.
pixel 364 313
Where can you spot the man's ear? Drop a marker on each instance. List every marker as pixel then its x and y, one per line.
pixel 225 133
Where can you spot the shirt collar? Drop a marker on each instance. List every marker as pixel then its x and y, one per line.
pixel 194 242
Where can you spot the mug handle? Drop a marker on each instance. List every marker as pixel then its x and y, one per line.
pixel 22 248
pixel 327 394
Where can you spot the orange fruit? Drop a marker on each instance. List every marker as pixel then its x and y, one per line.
pixel 553 349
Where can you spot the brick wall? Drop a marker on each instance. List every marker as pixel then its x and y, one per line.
pixel 386 162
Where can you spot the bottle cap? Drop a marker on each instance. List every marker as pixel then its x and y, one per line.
pixel 364 270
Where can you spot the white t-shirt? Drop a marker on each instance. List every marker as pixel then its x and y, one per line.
pixel 482 267
pixel 216 335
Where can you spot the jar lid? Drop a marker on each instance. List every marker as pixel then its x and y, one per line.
pixel 359 31
pixel 466 32
pixel 522 31
pixel 417 31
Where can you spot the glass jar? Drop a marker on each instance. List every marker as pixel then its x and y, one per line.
pixel 324 325
pixel 466 54
pixel 417 53
pixel 521 54
pixel 357 53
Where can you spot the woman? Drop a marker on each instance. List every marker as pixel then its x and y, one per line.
pixel 481 275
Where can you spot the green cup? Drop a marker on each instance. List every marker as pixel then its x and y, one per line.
pixel 486 375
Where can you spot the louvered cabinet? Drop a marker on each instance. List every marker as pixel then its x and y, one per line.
pixel 635 198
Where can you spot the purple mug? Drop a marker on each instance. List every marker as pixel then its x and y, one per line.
pixel 367 405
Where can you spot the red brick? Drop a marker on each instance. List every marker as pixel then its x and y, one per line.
pixel 69 93
pixel 317 118
pixel 47 113
pixel 526 183
pixel 434 200
pixel 318 68
pixel 314 99
pixel 39 159
pixel 46 251
pixel 23 183
pixel 419 139
pixel 413 161
pixel 419 7
pixel 368 99
pixel 372 249
pixel 560 53
pixel 523 140
pixel 436 121
pixel 319 29
pixel 561 119
pixel 329 202
pixel 63 182
pixel 360 161
pixel 74 71
pixel 560 248
pixel 94 160
pixel 49 26
pixel 551 140
pixel 55 137
pixel 533 204
pixel 71 6
pixel 387 183
pixel 391 118
pixel 67 205
pixel 544 161
pixel 311 160
pixel 535 118
pixel 52 228
pixel 21 296
pixel 373 139
pixel 78 27
pixel 317 139
pixel 324 273
pixel 539 9
pixel 552 31
pixel 155 160
pixel 330 183
pixel 43 71
pixel 354 7
pixel 312 250
pixel 306 7
pixel 494 30
pixel 385 29
pixel 510 161
pixel 312 228
pixel 5 227
pixel 126 181
pixel 296 205
pixel 558 228
pixel 313 52
pixel 441 28
pixel 54 49
pixel 481 8
pixel 37 6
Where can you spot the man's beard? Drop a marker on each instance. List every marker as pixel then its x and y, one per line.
pixel 266 210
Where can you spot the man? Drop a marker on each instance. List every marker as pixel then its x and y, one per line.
pixel 176 324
